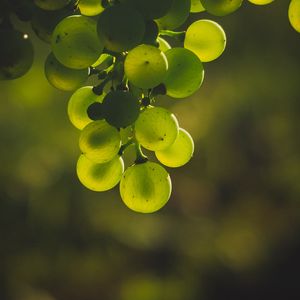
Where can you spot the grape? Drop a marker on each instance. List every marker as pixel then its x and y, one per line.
pixel 44 21
pixel 294 14
pixel 206 39
pixel 221 7
pixel 179 153
pixel 176 16
pixel 16 54
pixel 163 45
pixel 64 78
pixel 78 105
pixel 196 6
pixel 90 7
pixel 51 4
pixel 260 2
pixel 100 177
pixel 145 187
pixel 185 74
pixel 145 66
pixel 151 9
pixel 121 28
pixel 156 128
pixel 120 108
pixel 99 141
pixel 75 42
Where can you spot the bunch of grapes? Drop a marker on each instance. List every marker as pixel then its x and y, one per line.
pixel 123 45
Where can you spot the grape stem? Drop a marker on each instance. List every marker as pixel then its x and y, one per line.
pixel 124 146
pixel 178 35
pixel 140 156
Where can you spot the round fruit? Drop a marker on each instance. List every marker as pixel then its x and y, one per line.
pixel 145 66
pixel 145 187
pixel 100 177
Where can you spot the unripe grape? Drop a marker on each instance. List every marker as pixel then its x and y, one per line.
pixel 261 2
pixel 145 66
pixel 206 39
pixel 185 74
pixel 75 42
pixel 120 108
pixel 176 16
pixel 196 6
pixel 64 78
pixel 156 128
pixel 145 187
pixel 294 14
pixel 16 54
pixel 100 177
pixel 121 28
pixel 99 141
pixel 90 7
pixel 79 104
pixel 221 7
pixel 179 153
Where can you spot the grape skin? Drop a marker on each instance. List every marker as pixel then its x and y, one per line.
pixel 294 14
pixel 221 7
pixel 78 104
pixel 99 177
pixel 261 2
pixel 51 4
pixel 156 128
pixel 146 66
pixel 206 39
pixel 64 78
pixel 90 7
pixel 179 153
pixel 99 141
pixel 75 42
pixel 196 6
pixel 185 74
pixel 145 187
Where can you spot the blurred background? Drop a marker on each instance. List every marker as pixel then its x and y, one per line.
pixel 231 228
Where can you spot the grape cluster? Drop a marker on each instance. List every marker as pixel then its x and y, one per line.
pixel 123 45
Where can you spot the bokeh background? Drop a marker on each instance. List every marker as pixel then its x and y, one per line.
pixel 231 227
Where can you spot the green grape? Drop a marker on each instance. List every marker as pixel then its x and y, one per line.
pixel 185 74
pixel 51 4
pixel 145 66
pixel 294 14
pixel 156 128
pixel 176 16
pixel 121 28
pixel 100 177
pixel 75 42
pixel 163 45
pixel 196 6
pixel 206 39
pixel 99 141
pixel 150 9
pixel 64 78
pixel 221 7
pixel 43 22
pixel 90 7
pixel 120 108
pixel 126 134
pixel 179 153
pixel 78 106
pixel 261 2
pixel 145 187
pixel 16 54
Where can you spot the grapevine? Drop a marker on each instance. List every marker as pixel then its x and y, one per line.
pixel 125 46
